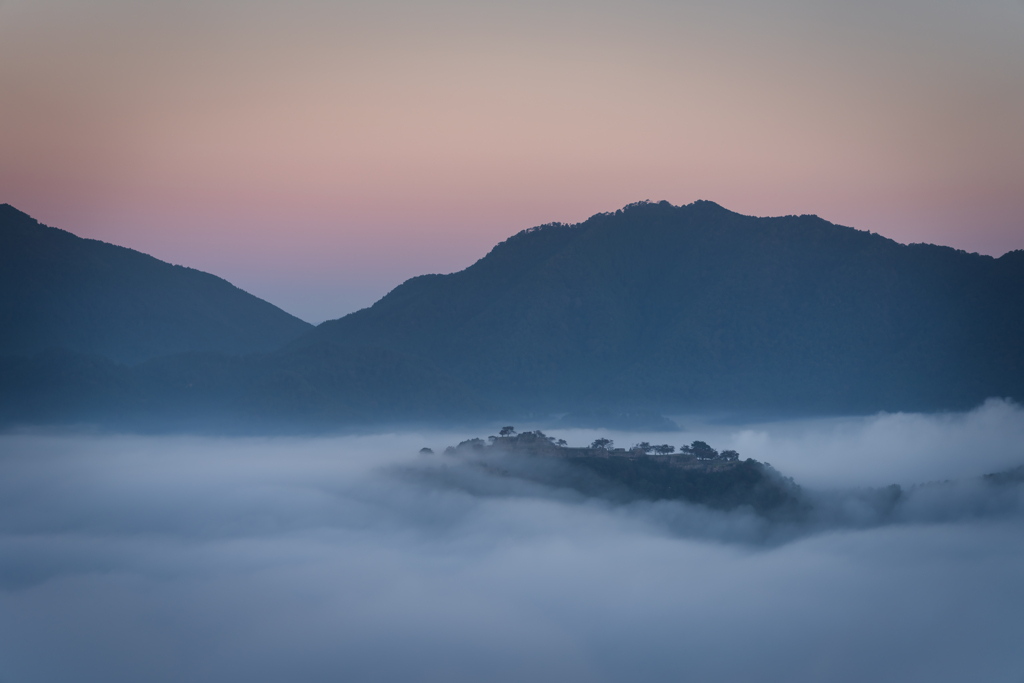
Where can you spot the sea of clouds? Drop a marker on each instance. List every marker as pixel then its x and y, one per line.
pixel 128 558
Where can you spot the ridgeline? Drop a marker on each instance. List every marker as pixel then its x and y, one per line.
pixel 649 310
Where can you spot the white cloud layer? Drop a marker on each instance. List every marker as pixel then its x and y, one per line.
pixel 170 559
pixel 876 450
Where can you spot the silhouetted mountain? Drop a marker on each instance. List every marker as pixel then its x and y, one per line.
pixel 650 309
pixel 697 307
pixel 59 290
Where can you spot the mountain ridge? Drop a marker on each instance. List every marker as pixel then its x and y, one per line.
pixel 653 308
pixel 89 296
pixel 584 307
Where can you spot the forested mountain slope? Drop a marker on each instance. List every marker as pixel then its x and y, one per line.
pixel 651 308
pixel 60 291
pixel 700 307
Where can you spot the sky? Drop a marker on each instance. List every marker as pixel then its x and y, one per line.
pixel 319 153
pixel 134 558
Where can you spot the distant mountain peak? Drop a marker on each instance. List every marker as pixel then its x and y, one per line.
pixel 696 306
pixel 60 290
pixel 11 217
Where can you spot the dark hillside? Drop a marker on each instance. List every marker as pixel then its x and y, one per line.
pixel 650 309
pixel 58 290
pixel 697 306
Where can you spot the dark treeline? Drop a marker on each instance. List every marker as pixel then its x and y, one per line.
pixel 697 474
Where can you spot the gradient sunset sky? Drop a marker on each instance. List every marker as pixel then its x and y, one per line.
pixel 316 154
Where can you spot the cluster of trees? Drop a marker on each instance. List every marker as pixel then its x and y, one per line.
pixel 703 451
pixel 509 432
pixel 698 449
pixel 741 484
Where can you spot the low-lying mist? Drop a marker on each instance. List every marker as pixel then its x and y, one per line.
pixel 878 450
pixel 128 558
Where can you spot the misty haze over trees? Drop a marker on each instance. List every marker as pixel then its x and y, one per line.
pixel 653 308
pixel 140 558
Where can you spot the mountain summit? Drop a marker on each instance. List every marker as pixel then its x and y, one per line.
pixel 59 290
pixel 698 307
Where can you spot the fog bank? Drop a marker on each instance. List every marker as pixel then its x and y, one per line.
pixel 875 450
pixel 169 559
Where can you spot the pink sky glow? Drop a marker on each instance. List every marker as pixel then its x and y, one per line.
pixel 317 154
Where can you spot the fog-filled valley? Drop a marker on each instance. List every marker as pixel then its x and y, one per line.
pixel 461 342
pixel 357 558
